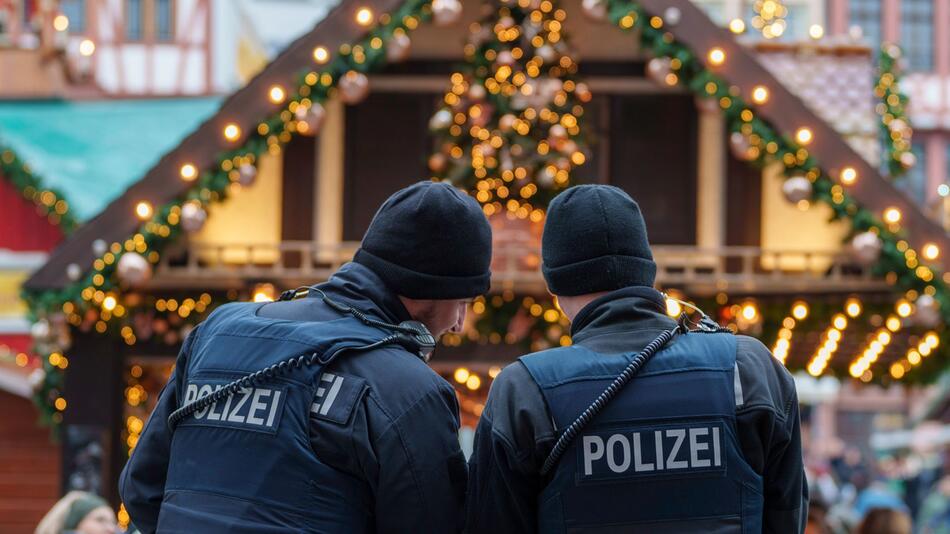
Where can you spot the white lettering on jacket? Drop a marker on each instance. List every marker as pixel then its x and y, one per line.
pixel 256 408
pixel 652 451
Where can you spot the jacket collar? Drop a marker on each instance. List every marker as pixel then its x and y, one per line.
pixel 638 307
pixel 358 286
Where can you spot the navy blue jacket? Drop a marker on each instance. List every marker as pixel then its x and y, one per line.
pixel 516 430
pixel 398 440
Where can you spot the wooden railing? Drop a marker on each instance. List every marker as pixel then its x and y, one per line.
pixel 697 271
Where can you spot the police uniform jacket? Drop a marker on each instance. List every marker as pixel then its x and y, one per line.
pixel 517 429
pixel 382 425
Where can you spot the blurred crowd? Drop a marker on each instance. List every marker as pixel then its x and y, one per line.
pixel 856 492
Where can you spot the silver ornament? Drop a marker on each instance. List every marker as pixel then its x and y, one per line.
pixel 446 12
pixel 40 331
pixel 658 68
pixel 672 16
pixel 739 145
pixel 353 86
pixel 477 91
pixel 595 9
pixel 547 53
pixel 193 217
pixel 866 247
pixel 99 247
pixel 247 173
pixel 133 269
pixel 927 311
pixel 398 48
pixel 797 188
pixel 441 120
pixel 73 271
pixel 312 117
pixel 505 57
pixel 908 159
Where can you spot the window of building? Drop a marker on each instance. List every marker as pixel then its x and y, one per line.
pixel 133 20
pixel 866 14
pixel 164 20
pixel 75 11
pixel 917 33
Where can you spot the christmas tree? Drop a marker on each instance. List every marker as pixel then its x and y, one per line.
pixel 509 129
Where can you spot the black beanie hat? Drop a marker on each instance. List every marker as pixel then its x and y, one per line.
pixel 595 240
pixel 429 241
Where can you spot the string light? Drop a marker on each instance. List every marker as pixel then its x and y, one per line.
pixel 716 56
pixel 760 94
pixel 364 16
pixel 749 311
pixel 188 172
pixel 473 382
pixel 800 310
pixel 848 175
pixel 931 251
pixel 276 94
pixel 61 23
pixel 737 26
pixel 892 215
pixel 673 308
pixel 87 47
pixel 321 55
pixel 143 210
pixel 264 293
pixel 904 308
pixel 232 132
pixel 816 31
pixel 852 307
pixel 803 136
pixel 832 338
pixel 461 375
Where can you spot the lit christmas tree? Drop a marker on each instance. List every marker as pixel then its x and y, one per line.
pixel 509 130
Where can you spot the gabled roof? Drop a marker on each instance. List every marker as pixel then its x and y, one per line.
pixel 92 150
pixel 248 105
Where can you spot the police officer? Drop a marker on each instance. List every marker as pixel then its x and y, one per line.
pixel 705 438
pixel 350 440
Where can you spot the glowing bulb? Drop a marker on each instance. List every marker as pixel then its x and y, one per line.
pixel 87 47
pixel 800 310
pixel 893 323
pixel 673 308
pixel 892 215
pixel 364 16
pixel 749 312
pixel 904 309
pixel 61 23
pixel 143 209
pixel 461 375
pixel 264 293
pixel 932 340
pixel 737 26
pixel 188 172
pixel 60 403
pixel 716 56
pixel 853 307
pixel 815 31
pixel 109 303
pixel 943 190
pixel 848 175
pixel 232 132
pixel 803 136
pixel 473 382
pixel 321 55
pixel 931 251
pixel 840 322
pixel 884 337
pixel 760 94
pixel 897 371
pixel 913 357
pixel 276 94
pixel 493 371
